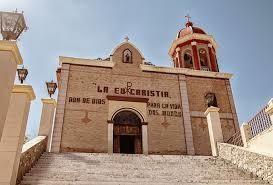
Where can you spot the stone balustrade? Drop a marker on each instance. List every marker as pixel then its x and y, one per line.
pixel 258 164
pixel 31 152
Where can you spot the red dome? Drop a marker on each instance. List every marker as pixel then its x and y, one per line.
pixel 190 29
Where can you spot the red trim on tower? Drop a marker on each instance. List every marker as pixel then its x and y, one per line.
pixel 190 41
pixel 184 44
pixel 212 60
pixel 195 57
pixel 180 59
pixel 176 63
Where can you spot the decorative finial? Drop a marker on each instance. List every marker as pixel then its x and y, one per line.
pixel 126 38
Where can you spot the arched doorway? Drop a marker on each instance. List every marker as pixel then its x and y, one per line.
pixel 127 133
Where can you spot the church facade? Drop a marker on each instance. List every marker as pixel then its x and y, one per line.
pixel 124 104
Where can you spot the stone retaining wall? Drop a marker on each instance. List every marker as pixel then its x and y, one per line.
pixel 258 164
pixel 31 152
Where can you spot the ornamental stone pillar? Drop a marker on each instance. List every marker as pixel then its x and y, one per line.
pixel 46 122
pixel 145 138
pixel 269 109
pixel 14 132
pixel 10 57
pixel 246 134
pixel 110 136
pixel 214 127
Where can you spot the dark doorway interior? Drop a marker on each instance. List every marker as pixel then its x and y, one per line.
pixel 127 144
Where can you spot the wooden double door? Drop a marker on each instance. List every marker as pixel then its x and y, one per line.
pixel 127 142
pixel 127 133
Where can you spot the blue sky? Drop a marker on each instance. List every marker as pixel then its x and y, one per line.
pixel 243 30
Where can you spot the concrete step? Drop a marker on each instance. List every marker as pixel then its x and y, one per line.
pixel 85 168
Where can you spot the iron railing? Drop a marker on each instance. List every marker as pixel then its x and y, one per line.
pixel 260 122
pixel 236 139
pixel 203 68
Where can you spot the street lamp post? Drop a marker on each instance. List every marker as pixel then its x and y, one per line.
pixel 12 24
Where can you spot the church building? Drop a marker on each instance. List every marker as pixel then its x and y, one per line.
pixel 124 104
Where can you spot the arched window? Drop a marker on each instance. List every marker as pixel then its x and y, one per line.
pixel 187 57
pixel 203 57
pixel 211 100
pixel 127 56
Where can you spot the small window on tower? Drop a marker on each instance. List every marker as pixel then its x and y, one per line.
pixel 211 100
pixel 187 57
pixel 127 56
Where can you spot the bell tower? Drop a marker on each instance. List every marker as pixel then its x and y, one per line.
pixel 194 49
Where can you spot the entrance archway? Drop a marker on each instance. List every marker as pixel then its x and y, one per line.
pixel 127 133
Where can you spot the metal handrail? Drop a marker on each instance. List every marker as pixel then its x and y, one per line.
pixel 236 139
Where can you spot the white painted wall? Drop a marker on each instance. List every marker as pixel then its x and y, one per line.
pixel 262 143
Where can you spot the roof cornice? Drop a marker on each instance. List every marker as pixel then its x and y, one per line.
pixel 185 71
pixel 194 36
pixel 86 62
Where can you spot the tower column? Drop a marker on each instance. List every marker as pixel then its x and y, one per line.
pixel 212 59
pixel 178 55
pixel 195 56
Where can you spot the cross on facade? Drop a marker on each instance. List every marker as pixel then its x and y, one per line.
pixel 188 17
pixel 126 38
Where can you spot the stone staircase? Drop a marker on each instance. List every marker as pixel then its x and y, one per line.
pixel 104 169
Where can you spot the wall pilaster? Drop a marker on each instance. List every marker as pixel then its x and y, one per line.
pixel 110 136
pixel 232 106
pixel 59 116
pixel 145 139
pixel 186 115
